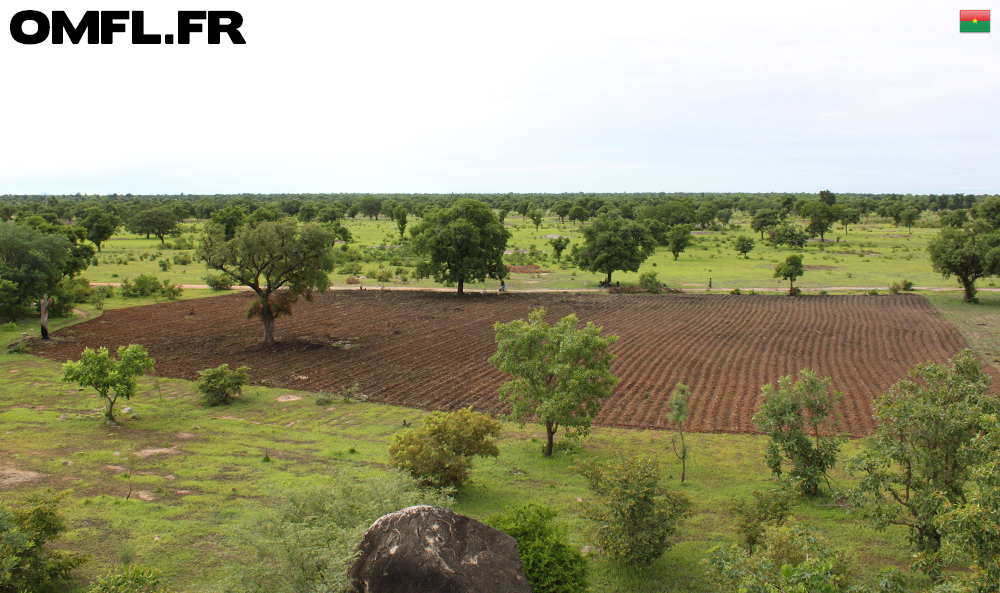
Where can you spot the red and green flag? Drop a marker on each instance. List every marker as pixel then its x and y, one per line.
pixel 974 21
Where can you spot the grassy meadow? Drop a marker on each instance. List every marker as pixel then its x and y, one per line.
pixel 196 476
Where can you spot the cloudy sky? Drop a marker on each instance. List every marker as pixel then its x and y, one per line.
pixel 336 96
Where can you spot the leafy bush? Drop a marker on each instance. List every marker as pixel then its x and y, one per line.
pixel 143 286
pixel 550 564
pixel 632 515
pixel 308 541
pixel 440 452
pixel 97 299
pixel 183 259
pixel 906 285
pixel 27 565
pixel 77 289
pixel 649 283
pixel 792 558
pixel 351 269
pixel 130 579
pixel 171 291
pixel 761 509
pixel 219 385
pixel 164 264
pixel 788 415
pixel 218 282
pixel 19 347
pixel 736 291
pixel 895 288
pixel 352 394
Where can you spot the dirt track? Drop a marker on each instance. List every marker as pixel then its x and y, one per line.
pixel 430 350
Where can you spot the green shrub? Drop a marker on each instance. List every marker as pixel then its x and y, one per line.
pixel 219 385
pixel 183 259
pixel 19 347
pixel 550 564
pixel 649 283
pixel 632 515
pixel 143 286
pixel 164 264
pixel 130 579
pixel 97 299
pixel 759 510
pixel 351 268
pixel 8 327
pixel 171 291
pixel 895 288
pixel 77 289
pixel 218 282
pixel 440 452
pixel 307 542
pixel 736 291
pixel 27 565
pixel 906 285
pixel 380 274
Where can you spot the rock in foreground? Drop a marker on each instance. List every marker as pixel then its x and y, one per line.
pixel 424 548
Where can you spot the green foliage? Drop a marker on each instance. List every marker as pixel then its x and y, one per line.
pixel 380 274
pixel 159 221
pixel 220 385
pixel 143 286
pixel 917 464
pixel 77 289
pixel 171 291
pixel 790 235
pixel 27 564
pixel 649 283
pixel 787 416
pixel 790 269
pixel 968 254
pixel 112 378
pixel 561 373
pixel 306 544
pixel 613 243
pixel 678 239
pixel 972 525
pixel 101 225
pixel 559 244
pixel 677 415
pixel 758 511
pixel 744 245
pixel 440 452
pixel 183 259
pixel 464 243
pixel 272 256
pixel 218 281
pixel 31 264
pixel 19 347
pixel 164 264
pixel 632 515
pixel 130 579
pixel 793 559
pixel 550 564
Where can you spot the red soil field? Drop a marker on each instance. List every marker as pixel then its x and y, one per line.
pixel 430 349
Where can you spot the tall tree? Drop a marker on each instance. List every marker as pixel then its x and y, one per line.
pixel 158 221
pixel 101 225
pixel 968 254
pixel 279 261
pixel 821 219
pixel 918 462
pixel 561 373
pixel 790 269
pixel 400 216
pixel 31 264
pixel 764 219
pixel 678 239
pixel 464 243
pixel 559 244
pixel 613 243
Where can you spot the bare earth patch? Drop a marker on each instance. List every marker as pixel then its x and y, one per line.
pixel 288 398
pixel 10 477
pixel 160 451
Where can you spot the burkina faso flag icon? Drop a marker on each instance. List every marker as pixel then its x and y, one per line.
pixel 974 21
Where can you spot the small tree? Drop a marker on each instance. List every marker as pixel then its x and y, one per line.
pixel 790 269
pixel 614 243
pixel 677 415
pixel 550 564
pixel 440 452
pixel 27 565
pixel 744 245
pixel 761 509
pixel 218 386
pixel 919 460
pixel 561 373
pixel 110 377
pixel 787 415
pixel 559 244
pixel 400 216
pixel 678 239
pixel 632 515
pixel 968 254
pixel 908 217
pixel 649 282
pixel 536 217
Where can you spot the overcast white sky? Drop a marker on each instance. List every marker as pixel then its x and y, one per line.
pixel 335 96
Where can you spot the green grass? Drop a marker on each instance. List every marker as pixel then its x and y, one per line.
pixel 212 475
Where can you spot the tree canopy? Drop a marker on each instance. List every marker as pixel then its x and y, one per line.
pixel 613 243
pixel 464 243
pixel 279 260
pixel 790 269
pixel 561 373
pixel 968 254
pixel 100 225
pixel 31 264
pixel 112 378
pixel 158 221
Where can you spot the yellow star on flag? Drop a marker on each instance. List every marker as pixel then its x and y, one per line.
pixel 975 21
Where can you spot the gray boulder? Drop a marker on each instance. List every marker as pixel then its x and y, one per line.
pixel 432 549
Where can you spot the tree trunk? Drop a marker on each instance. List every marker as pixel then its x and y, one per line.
pixel 461 284
pixel 609 278
pixel 43 306
pixel 267 316
pixel 791 289
pixel 110 410
pixel 549 433
pixel 970 290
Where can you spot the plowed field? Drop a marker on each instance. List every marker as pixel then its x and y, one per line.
pixel 430 350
